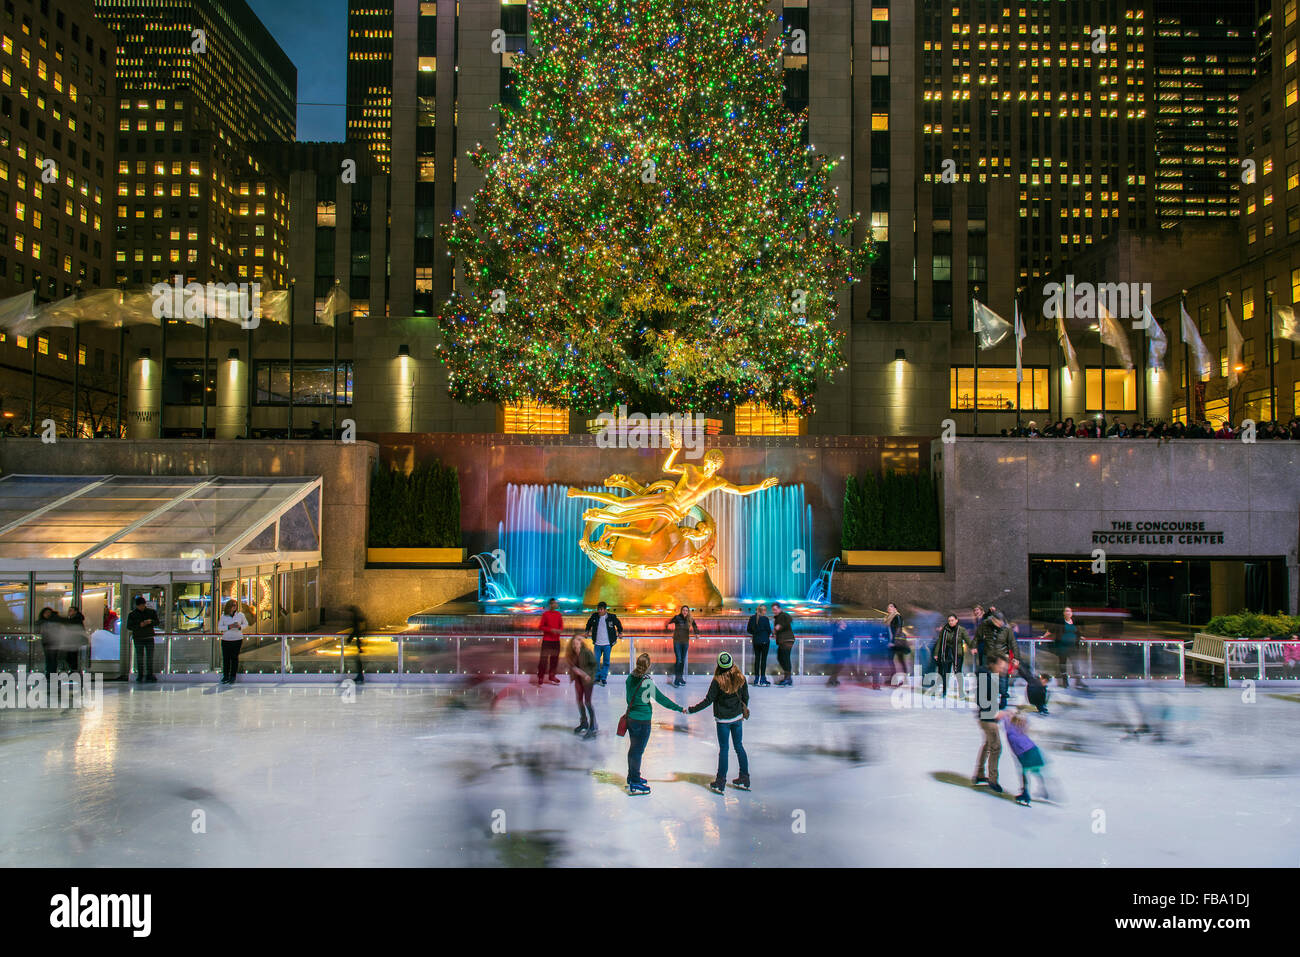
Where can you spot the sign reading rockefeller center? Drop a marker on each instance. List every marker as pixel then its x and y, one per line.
pixel 1157 533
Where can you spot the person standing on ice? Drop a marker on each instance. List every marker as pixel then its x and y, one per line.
pixel 898 646
pixel 681 625
pixel 582 671
pixel 783 632
pixel 729 696
pixel 604 629
pixel 759 627
pixel 986 715
pixel 949 649
pixel 552 624
pixel 231 624
pixel 641 691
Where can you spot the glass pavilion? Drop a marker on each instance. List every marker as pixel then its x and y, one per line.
pixel 98 541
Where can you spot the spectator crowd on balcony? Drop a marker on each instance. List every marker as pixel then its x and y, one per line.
pixel 1097 429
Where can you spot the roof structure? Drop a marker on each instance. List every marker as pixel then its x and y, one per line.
pixel 156 523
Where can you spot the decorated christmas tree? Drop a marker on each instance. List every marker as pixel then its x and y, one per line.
pixel 652 229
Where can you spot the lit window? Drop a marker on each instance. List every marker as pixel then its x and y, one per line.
pixel 997 389
pixel 755 419
pixel 529 418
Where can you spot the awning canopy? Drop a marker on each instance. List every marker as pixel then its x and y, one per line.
pixel 101 524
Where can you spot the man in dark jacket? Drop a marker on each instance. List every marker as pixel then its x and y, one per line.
pixel 783 632
pixel 141 623
pixel 760 633
pixel 985 635
pixel 681 625
pixel 986 765
pixel 1004 646
pixel 604 629
pixel 949 649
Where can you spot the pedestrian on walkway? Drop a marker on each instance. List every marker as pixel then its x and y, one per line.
pixel 783 632
pixel 141 623
pixel 582 672
pixel 760 634
pixel 355 630
pixel 604 629
pixel 231 627
pixel 729 696
pixel 641 691
pixel 552 624
pixel 680 625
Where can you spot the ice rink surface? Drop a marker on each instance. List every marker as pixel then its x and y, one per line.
pixel 426 775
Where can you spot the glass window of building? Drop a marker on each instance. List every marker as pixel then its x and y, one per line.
pixel 531 418
pixel 1121 390
pixel 997 389
pixel 752 418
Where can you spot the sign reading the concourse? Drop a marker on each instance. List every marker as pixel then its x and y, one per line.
pixel 1157 533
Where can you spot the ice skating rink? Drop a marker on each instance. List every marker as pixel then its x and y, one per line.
pixel 424 775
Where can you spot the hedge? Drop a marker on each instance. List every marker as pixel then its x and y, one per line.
pixel 1249 624
pixel 416 509
pixel 898 512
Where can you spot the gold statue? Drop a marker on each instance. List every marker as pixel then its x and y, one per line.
pixel 644 540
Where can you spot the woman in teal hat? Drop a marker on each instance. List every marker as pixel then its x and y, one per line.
pixel 729 695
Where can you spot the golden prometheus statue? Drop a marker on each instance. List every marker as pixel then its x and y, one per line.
pixel 645 556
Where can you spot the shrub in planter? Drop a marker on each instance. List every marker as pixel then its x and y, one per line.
pixel 1249 624
pixel 419 509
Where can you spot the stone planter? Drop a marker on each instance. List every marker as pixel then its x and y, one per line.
pixel 921 561
pixel 414 557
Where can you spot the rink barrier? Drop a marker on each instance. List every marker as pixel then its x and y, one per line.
pixel 197 656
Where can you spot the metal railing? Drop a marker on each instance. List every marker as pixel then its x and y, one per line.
pixel 198 655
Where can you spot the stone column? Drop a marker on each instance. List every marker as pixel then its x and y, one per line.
pixel 144 398
pixel 232 396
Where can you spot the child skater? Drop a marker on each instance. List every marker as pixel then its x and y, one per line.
pixel 729 695
pixel 1027 754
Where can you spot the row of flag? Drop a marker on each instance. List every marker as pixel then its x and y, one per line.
pixel 20 316
pixel 991 329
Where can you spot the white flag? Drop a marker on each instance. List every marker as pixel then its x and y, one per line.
pixel 1158 345
pixel 17 310
pixel 1284 323
pixel 990 328
pixel 1234 348
pixel 1020 338
pixel 336 303
pixel 275 306
pixel 1071 359
pixel 1201 361
pixel 1113 335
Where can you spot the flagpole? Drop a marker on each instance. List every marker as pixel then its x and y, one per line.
pixel 1187 355
pixel 1272 371
pixel 1100 331
pixel 1020 357
pixel 207 324
pixel 334 397
pixel 292 287
pixel 975 395
pixel 252 385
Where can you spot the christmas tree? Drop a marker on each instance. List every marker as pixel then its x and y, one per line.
pixel 652 229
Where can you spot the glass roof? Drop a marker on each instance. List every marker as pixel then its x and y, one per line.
pixel 158 523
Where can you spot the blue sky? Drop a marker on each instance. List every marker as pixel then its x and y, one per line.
pixel 314 33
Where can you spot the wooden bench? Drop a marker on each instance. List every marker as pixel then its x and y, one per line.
pixel 1210 650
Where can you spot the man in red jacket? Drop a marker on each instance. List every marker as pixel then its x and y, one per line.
pixel 552 624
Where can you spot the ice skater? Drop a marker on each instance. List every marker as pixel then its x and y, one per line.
pixel 604 629
pixel 680 625
pixel 641 692
pixel 355 630
pixel 899 649
pixel 759 627
pixel 950 649
pixel 582 671
pixel 1066 644
pixel 729 696
pixel 841 648
pixel 1026 753
pixel 986 764
pixel 552 624
pixel 783 632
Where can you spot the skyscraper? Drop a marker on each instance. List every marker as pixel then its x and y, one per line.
pixel 199 82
